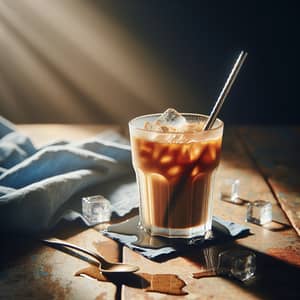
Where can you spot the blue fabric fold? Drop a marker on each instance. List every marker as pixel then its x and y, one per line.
pixel 14 147
pixel 36 184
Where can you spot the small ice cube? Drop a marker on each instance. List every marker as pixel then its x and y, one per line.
pixel 156 126
pixel 259 212
pixel 171 118
pixel 96 209
pixel 237 263
pixel 229 190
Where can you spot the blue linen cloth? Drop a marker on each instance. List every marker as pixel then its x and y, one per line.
pixel 39 186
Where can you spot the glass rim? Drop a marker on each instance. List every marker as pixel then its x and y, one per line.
pixel 130 123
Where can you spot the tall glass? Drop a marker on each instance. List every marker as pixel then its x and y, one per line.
pixel 175 175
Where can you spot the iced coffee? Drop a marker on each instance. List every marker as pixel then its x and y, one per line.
pixel 175 162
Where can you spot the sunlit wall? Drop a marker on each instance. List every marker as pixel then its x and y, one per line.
pixel 69 61
pixel 93 61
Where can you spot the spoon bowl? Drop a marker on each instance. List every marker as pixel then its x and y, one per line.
pixel 105 266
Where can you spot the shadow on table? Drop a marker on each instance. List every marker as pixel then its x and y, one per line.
pixel 274 278
pixel 15 247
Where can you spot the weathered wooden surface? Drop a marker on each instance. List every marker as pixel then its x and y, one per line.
pixel 269 245
pixel 276 153
pixel 30 270
pixel 42 134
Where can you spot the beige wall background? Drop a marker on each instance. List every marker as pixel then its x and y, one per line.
pixel 70 62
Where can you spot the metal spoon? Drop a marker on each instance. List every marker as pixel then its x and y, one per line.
pixel 105 266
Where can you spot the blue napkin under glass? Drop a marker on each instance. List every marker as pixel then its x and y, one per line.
pixel 222 231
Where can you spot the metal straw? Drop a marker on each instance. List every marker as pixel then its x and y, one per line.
pixel 213 115
pixel 228 84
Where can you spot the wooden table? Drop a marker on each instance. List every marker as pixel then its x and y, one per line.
pixel 265 159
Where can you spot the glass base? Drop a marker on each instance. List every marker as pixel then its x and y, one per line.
pixel 180 233
pixel 146 239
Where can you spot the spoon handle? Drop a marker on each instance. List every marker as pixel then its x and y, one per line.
pixel 57 242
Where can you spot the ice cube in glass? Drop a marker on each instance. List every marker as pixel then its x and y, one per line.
pixel 172 118
pixel 237 263
pixel 96 209
pixel 259 212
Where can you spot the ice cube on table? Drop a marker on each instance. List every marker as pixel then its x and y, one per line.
pixel 229 190
pixel 96 209
pixel 259 212
pixel 237 263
